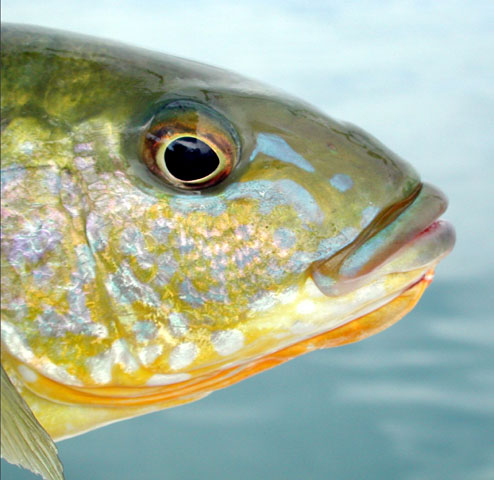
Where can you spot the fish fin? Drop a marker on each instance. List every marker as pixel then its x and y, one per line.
pixel 24 441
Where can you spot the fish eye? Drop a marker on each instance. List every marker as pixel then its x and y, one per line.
pixel 190 145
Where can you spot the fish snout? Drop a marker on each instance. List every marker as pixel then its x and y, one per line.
pixel 407 237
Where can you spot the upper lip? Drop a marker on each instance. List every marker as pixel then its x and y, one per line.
pixel 409 222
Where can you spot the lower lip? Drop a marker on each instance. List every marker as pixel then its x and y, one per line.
pixel 430 246
pixel 435 242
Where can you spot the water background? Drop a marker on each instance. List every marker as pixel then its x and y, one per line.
pixel 415 402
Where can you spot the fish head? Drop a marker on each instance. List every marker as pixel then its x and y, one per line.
pixel 170 228
pixel 311 223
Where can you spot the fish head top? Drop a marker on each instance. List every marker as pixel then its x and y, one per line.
pixel 165 220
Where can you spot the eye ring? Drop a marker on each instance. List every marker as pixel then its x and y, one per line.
pixel 190 146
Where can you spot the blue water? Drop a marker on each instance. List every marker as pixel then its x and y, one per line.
pixel 415 402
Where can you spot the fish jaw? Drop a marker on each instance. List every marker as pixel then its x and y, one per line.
pixel 77 411
pixel 309 313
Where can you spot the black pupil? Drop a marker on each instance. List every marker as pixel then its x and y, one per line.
pixel 189 158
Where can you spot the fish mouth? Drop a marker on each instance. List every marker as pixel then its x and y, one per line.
pixel 408 236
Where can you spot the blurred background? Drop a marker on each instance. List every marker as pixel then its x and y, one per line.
pixel 415 402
